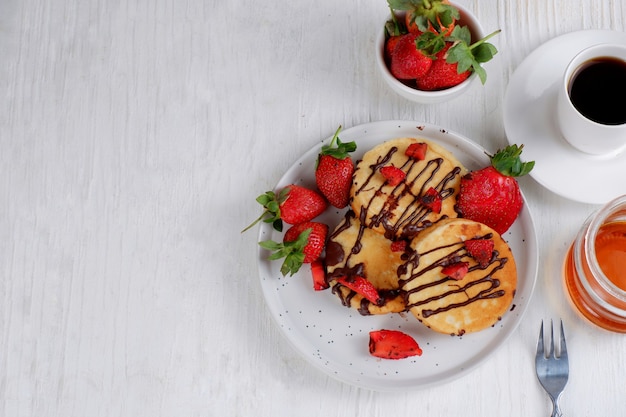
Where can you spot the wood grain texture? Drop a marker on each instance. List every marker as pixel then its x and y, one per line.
pixel 134 136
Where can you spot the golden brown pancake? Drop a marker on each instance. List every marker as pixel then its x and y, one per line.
pixel 397 211
pixel 354 249
pixel 446 305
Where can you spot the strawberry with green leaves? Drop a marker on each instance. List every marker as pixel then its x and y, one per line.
pixel 334 169
pixel 407 61
pixel 293 204
pixel 437 35
pixel 491 195
pixel 392 344
pixel 302 244
pixel 437 16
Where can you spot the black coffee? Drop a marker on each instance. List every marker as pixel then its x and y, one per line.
pixel 597 89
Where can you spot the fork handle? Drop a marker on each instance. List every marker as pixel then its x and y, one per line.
pixel 556 411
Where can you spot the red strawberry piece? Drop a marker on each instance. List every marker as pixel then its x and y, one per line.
pixel 393 175
pixel 481 250
pixel 417 150
pixel 491 195
pixel 408 62
pixel 293 204
pixel 456 271
pixel 398 245
pixel 318 273
pixel 442 74
pixel 390 45
pixel 361 286
pixel 333 173
pixel 393 344
pixel 432 200
pixel 302 243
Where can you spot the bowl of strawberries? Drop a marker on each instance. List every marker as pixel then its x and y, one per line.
pixel 431 51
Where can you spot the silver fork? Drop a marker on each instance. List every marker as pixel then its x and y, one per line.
pixel 552 370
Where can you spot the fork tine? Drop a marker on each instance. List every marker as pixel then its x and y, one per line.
pixel 563 351
pixel 551 352
pixel 540 345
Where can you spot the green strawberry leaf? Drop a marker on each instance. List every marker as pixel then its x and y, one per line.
pixel 271 205
pixel 507 161
pixel 336 148
pixel 293 252
pixel 470 56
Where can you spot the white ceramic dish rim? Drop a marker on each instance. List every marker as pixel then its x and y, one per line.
pixel 335 339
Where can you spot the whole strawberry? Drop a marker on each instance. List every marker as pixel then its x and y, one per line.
pixel 442 74
pixel 407 61
pixel 293 204
pixel 491 195
pixel 333 173
pixel 302 244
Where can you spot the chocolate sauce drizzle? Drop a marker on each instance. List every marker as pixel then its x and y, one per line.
pixel 459 254
pixel 414 219
pixel 335 255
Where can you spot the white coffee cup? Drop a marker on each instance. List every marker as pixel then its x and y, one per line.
pixel 595 134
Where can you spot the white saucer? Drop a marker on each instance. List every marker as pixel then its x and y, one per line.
pixel 530 119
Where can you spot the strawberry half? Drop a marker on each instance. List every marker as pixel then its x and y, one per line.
pixel 491 195
pixel 293 204
pixel 481 250
pixel 393 344
pixel 456 271
pixel 334 169
pixel 302 243
pixel 362 286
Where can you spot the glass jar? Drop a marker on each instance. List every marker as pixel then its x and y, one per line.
pixel 595 267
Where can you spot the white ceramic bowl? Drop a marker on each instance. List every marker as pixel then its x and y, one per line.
pixel 426 97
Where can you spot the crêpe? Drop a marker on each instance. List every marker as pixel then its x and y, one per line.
pixel 355 250
pixel 451 306
pixel 398 211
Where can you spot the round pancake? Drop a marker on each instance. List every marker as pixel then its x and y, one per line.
pixel 352 250
pixel 451 306
pixel 397 211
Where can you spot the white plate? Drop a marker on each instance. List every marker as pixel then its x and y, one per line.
pixel 335 338
pixel 530 118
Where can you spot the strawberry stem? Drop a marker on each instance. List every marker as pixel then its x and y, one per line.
pixel 485 39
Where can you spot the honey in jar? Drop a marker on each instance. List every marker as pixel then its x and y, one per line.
pixel 595 267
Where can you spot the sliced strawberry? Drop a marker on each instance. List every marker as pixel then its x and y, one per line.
pixel 393 344
pixel 432 200
pixel 302 243
pixel 417 150
pixel 456 271
pixel 318 272
pixel 361 286
pixel 398 245
pixel 481 250
pixel 393 175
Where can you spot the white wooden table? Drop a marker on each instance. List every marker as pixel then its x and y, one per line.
pixel 134 138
